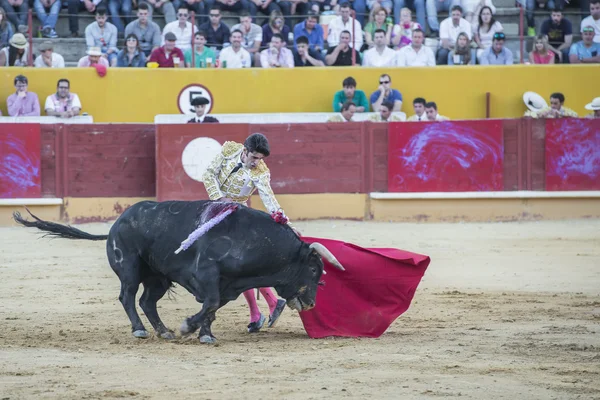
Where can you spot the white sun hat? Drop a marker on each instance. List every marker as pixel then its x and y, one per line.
pixel 534 101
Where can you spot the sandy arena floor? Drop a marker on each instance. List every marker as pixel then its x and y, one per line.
pixel 505 311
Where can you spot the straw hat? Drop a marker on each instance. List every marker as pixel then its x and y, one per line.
pixel 18 40
pixel 534 101
pixel 594 105
pixel 94 51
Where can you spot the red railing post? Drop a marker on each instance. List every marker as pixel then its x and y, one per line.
pixel 193 36
pixel 521 29
pixel 487 105
pixel 30 37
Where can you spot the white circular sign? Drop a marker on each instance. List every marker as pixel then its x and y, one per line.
pixel 190 92
pixel 197 155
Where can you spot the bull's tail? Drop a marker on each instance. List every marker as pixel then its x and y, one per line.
pixel 56 230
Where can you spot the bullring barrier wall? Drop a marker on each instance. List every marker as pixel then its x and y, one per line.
pixel 318 170
pixel 137 95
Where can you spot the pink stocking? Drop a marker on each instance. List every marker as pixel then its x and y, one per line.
pixel 251 300
pixel 270 298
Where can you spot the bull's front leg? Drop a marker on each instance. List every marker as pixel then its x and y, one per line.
pixel 204 283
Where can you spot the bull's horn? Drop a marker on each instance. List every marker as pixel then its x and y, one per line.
pixel 326 254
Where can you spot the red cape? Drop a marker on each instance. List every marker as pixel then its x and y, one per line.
pixel 376 288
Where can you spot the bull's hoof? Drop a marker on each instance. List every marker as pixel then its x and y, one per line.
pixel 208 339
pixel 185 329
pixel 141 334
pixel 168 335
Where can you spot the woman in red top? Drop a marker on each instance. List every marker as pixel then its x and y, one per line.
pixel 540 53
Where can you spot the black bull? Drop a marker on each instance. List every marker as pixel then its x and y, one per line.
pixel 246 250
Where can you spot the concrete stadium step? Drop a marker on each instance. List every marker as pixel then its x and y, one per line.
pixel 499 4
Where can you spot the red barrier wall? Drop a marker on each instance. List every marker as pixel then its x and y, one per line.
pixel 125 160
pixel 20 172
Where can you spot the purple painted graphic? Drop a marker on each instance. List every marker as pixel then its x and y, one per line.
pixel 445 156
pixel 573 154
pixel 20 172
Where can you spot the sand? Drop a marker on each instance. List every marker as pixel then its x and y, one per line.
pixel 505 311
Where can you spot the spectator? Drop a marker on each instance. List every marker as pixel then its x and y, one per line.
pixel 380 55
pixel 346 113
pixel 16 11
pixel 131 56
pixel 147 32
pixel 341 55
pixel 199 104
pixel 433 7
pixel 116 8
pixel 103 34
pixel 47 12
pixel 349 93
pixel 48 58
pixel 450 28
pixel 266 7
pixel 341 24
pixel 275 25
pixel 304 56
pixel 217 33
pixel 385 93
pixel 432 112
pixel 541 53
pixel 560 35
pixel 419 107
pixel 16 53
pixel 165 7
pixel 378 21
pixel 75 6
pixel 402 32
pixel 472 8
pixel 529 6
pixel 182 28
pixel 360 8
pixel 498 54
pixel 199 7
pixel 593 20
pixel 300 7
pixel 595 107
pixel 277 55
pixel 461 55
pixel 168 55
pixel 94 56
pixel 416 55
pixel 235 56
pixel 585 51
pixel 312 30
pixel 203 55
pixel 556 109
pixel 23 103
pixel 252 35
pixel 484 30
pixel 384 114
pixel 235 6
pixel 6 31
pixel 63 104
pixel 418 6
pixel 375 5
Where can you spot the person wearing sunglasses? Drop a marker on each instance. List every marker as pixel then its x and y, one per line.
pixel 182 28
pixel 217 33
pixel 385 94
pixel 585 51
pixel 497 54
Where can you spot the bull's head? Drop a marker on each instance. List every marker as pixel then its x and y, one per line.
pixel 305 297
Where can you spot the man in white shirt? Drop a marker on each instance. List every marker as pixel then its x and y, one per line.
pixel 593 19
pixel 183 29
pixel 235 56
pixel 63 104
pixel 48 58
pixel 344 23
pixel 419 107
pixel 450 28
pixel 416 54
pixel 380 55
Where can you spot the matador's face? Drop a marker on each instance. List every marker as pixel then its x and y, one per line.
pixel 251 159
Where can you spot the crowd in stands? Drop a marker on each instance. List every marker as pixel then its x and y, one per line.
pixel 390 38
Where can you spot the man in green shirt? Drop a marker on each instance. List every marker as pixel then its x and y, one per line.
pixel 204 55
pixel 349 93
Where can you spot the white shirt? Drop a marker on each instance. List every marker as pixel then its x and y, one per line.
pixel 409 57
pixel 451 32
pixel 595 23
pixel 372 58
pixel 241 59
pixel 184 36
pixel 336 26
pixel 199 119
pixel 53 103
pixel 57 61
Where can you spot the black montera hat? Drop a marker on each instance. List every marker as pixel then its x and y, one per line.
pixel 200 101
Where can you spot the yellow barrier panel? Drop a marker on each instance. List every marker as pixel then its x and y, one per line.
pixel 137 95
